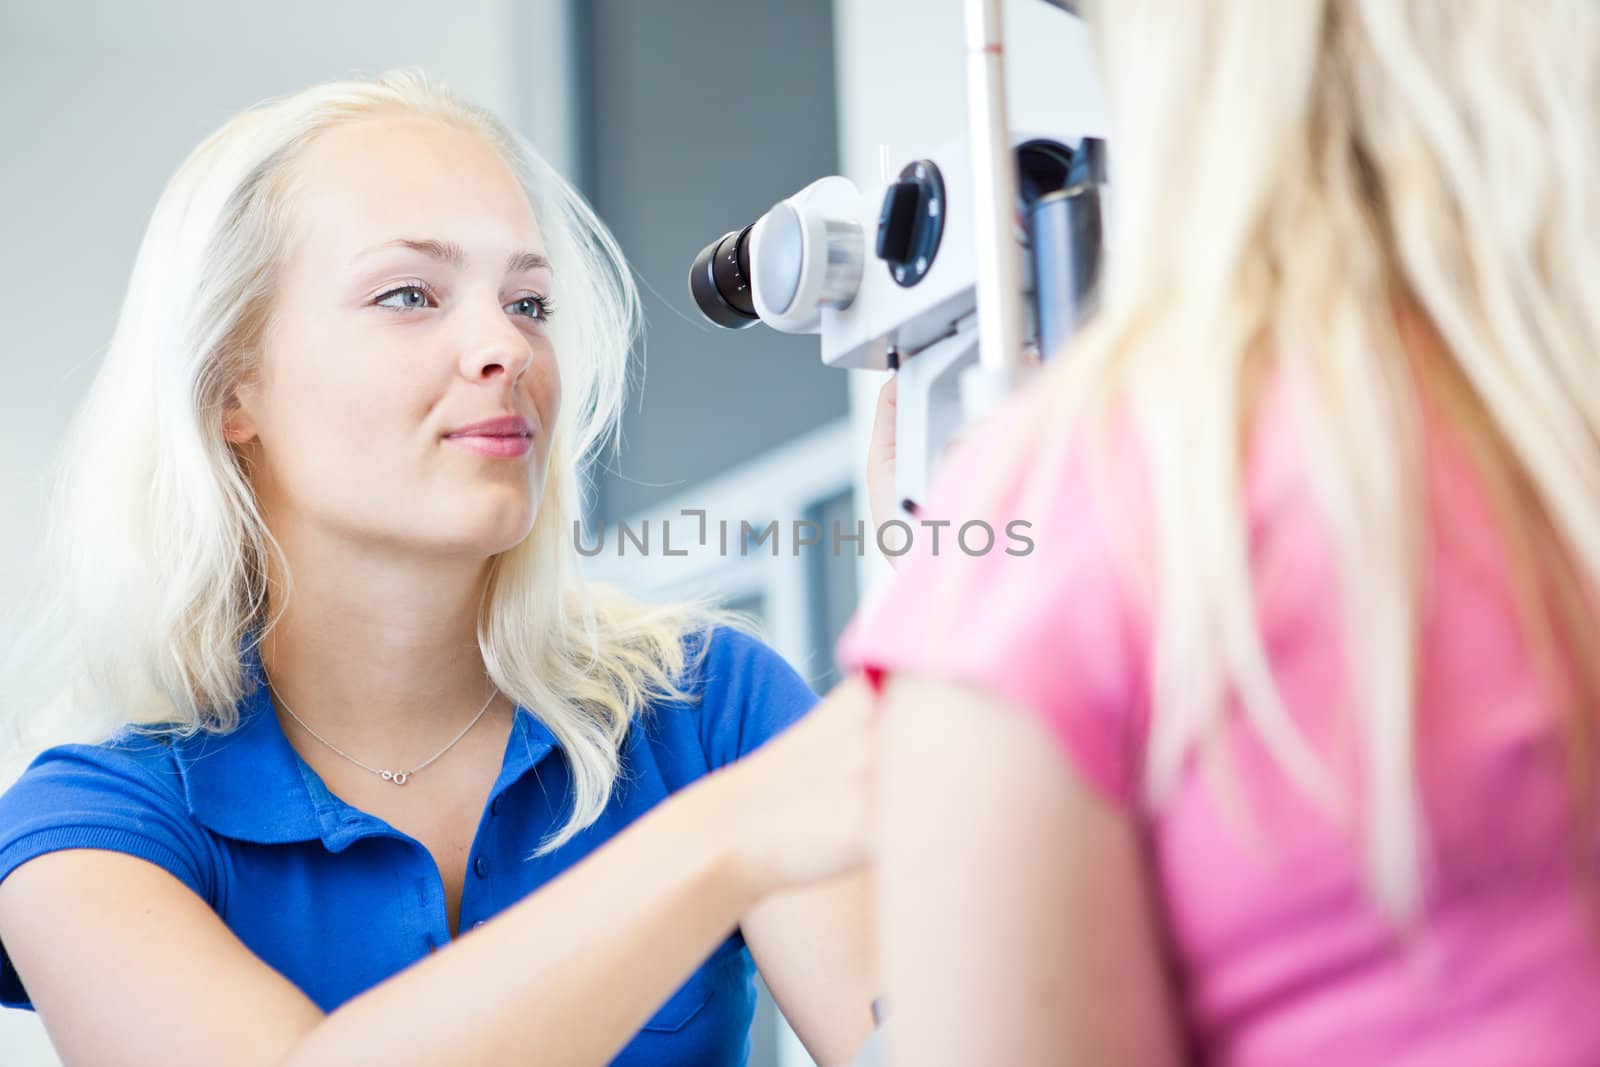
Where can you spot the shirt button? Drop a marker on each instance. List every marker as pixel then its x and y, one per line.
pixel 477 924
pixel 481 867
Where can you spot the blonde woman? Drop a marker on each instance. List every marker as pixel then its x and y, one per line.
pixel 342 698
pixel 1279 748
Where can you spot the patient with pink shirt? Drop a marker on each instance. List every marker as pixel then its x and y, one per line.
pixel 1278 747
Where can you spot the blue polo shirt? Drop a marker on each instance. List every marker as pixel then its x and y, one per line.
pixel 336 899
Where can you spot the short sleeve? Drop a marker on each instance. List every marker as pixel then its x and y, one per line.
pixel 1041 617
pixel 122 797
pixel 750 695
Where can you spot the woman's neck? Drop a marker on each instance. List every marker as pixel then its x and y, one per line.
pixel 376 653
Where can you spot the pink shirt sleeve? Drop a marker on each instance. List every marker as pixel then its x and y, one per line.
pixel 1050 628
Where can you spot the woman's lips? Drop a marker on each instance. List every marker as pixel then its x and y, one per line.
pixel 498 445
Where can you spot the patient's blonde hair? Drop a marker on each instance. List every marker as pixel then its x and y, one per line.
pixel 1293 182
pixel 158 553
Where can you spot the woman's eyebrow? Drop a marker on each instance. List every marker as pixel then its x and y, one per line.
pixel 452 253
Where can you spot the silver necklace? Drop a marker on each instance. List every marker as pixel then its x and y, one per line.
pixel 397 777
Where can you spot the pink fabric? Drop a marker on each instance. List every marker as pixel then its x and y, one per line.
pixel 1280 956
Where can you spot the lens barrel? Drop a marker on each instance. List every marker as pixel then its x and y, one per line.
pixel 719 281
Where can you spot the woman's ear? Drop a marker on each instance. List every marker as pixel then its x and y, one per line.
pixel 238 427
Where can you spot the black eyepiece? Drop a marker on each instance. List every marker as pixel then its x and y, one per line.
pixel 719 281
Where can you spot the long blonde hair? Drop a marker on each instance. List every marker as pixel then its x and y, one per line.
pixel 1290 181
pixel 157 551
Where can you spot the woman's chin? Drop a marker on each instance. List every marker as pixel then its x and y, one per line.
pixel 489 531
pixel 492 539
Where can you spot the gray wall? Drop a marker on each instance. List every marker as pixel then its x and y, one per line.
pixel 699 115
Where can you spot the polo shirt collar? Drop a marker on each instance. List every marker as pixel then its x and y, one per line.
pixel 252 785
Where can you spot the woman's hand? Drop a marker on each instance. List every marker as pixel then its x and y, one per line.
pixel 802 803
pixel 880 459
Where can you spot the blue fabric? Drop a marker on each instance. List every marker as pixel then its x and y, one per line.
pixel 336 899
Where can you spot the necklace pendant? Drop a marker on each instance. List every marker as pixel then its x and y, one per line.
pixel 397 777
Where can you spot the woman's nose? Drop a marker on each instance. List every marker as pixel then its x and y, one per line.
pixel 494 346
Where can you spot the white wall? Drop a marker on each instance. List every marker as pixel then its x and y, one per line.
pixel 102 101
pixel 901 69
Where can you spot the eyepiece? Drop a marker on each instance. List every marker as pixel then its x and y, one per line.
pixel 719 281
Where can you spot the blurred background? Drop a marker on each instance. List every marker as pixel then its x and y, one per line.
pixel 679 119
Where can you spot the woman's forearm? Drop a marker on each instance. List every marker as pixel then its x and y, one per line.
pixel 570 973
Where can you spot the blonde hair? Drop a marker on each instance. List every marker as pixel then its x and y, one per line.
pixel 158 553
pixel 1293 181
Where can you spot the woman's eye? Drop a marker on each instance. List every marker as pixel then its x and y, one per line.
pixel 411 297
pixel 534 307
pixel 405 291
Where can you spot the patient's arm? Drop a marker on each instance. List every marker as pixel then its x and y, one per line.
pixel 1014 902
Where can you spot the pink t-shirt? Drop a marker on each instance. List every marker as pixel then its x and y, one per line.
pixel 1279 954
